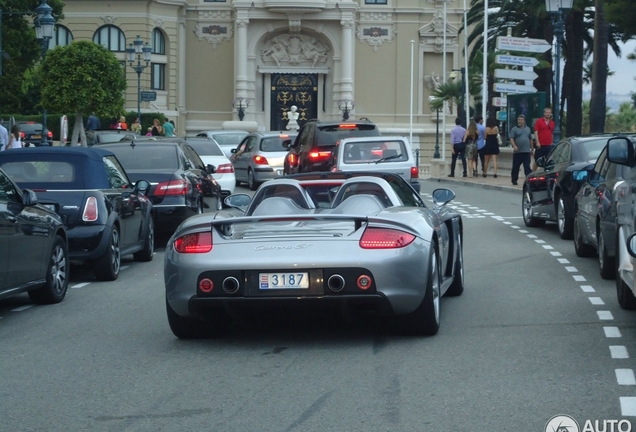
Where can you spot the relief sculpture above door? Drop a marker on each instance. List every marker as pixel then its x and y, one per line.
pixel 300 90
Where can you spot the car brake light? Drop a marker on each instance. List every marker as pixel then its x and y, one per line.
pixel 415 172
pixel 292 159
pixel 260 160
pixel 49 134
pixel 90 210
pixel 194 243
pixel 347 126
pixel 225 168
pixel 385 238
pixel 317 156
pixel 22 135
pixel 173 187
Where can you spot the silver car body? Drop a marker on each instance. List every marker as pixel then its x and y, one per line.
pixel 285 231
pixel 227 139
pixel 211 154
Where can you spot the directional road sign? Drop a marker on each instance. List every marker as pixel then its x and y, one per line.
pixel 148 96
pixel 515 74
pixel 516 60
pixel 499 102
pixel 513 88
pixel 508 43
pixel 502 115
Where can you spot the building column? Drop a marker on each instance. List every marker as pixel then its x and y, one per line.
pixel 241 54
pixel 182 63
pixel 346 83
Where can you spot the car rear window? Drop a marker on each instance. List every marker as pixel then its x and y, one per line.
pixel 206 148
pixel 330 135
pixel 273 144
pixel 40 172
pixel 110 137
pixel 229 138
pixel 146 156
pixel 374 151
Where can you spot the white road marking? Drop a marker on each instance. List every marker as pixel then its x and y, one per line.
pixel 571 269
pixel 507 223
pixel 21 308
pixel 625 377
pixel 123 268
pixel 514 226
pixel 618 351
pixel 524 231
pixel 491 214
pixel 579 278
pixel 555 253
pixel 612 332
pixel 540 241
pixel 597 301
pixel 587 288
pixel 80 285
pixel 628 406
pixel 532 236
pixel 564 261
pixel 605 315
pixel 482 211
pixel 548 247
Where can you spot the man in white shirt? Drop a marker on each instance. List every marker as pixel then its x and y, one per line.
pixel 4 137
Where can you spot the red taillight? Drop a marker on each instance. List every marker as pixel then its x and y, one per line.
pixel 22 135
pixel 347 126
pixel 318 156
pixel 364 282
pixel 206 285
pixel 385 238
pixel 194 243
pixel 173 187
pixel 292 159
pixel 415 172
pixel 260 160
pixel 225 169
pixel 90 210
pixel 50 134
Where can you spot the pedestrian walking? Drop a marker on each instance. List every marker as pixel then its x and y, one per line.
pixel 491 148
pixel 470 139
pixel 93 122
pixel 168 128
pixel 481 140
pixel 4 137
pixel 543 133
pixel 15 141
pixel 521 141
pixel 135 127
pixel 459 148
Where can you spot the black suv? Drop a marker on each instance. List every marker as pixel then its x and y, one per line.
pixel 313 148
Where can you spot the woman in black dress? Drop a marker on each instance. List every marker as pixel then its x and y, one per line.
pixel 491 149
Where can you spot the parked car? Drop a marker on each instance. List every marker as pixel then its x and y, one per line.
pixel 31 133
pixel 386 153
pixel 211 154
pixel 181 185
pixel 295 253
pixel 259 157
pixel 33 246
pixel 548 192
pixel 620 150
pixel 106 136
pixel 313 148
pixel 226 139
pixel 595 212
pixel 106 216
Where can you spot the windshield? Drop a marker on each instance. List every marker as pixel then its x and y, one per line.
pixel 206 148
pixel 273 144
pixel 146 156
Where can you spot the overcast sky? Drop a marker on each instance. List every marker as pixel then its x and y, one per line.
pixel 622 82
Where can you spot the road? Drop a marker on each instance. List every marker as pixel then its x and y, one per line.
pixel 536 333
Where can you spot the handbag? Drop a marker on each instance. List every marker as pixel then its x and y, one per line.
pixel 499 140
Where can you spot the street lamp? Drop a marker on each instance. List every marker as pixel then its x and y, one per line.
pixel 436 153
pixel 461 97
pixel 136 49
pixel 345 108
pixel 240 108
pixel 556 8
pixel 44 23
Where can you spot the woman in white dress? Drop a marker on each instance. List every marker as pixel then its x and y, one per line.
pixel 15 141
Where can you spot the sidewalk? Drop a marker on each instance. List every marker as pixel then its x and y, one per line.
pixel 502 182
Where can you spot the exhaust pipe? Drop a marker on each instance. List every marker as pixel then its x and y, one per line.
pixel 336 283
pixel 230 285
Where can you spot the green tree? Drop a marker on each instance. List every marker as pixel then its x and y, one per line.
pixel 622 121
pixel 623 14
pixel 599 70
pixel 82 77
pixel 21 51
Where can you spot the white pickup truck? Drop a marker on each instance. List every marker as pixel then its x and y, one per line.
pixel 391 154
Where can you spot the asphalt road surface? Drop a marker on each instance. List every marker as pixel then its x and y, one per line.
pixel 536 333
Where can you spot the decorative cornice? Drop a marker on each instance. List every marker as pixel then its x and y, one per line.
pixel 109 19
pixel 213 33
pixel 376 35
pixel 432 34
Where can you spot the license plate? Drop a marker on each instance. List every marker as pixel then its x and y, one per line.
pixel 36 136
pixel 284 280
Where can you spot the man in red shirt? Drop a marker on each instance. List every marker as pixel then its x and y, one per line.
pixel 543 129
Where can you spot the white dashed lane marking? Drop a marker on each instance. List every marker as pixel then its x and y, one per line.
pixel 625 377
pixel 564 261
pixel 21 308
pixel 605 315
pixel 579 278
pixel 612 332
pixel 80 285
pixel 628 406
pixel 587 288
pixel 618 351
pixel 597 301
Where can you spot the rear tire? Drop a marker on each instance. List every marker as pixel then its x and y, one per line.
pixel 564 220
pixel 526 210
pixel 251 181
pixel 457 287
pixel 581 249
pixel 54 290
pixel 192 328
pixel 147 252
pixel 607 264
pixel 424 320
pixel 106 267
pixel 624 294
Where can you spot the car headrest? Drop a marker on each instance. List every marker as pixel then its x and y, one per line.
pixel 359 204
pixel 278 206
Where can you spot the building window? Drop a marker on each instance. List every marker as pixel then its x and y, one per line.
pixel 61 37
pixel 383 2
pixel 158 42
pixel 110 37
pixel 158 76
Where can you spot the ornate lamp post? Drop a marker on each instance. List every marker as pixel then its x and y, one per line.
pixel 136 49
pixel 345 108
pixel 44 23
pixel 240 107
pixel 556 9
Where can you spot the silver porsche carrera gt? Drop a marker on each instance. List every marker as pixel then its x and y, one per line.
pixel 352 240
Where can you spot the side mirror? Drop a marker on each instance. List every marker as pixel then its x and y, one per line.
pixel 620 151
pixel 541 162
pixel 580 175
pixel 287 143
pixel 142 186
pixel 443 196
pixel 239 201
pixel 233 150
pixel 210 169
pixel 29 198
pixel 631 245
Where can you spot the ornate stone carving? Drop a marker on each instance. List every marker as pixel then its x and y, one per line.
pixel 215 14
pixel 432 34
pixel 376 16
pixel 213 33
pixel 159 23
pixel 347 23
pixel 294 49
pixel 109 19
pixel 433 81
pixel 242 22
pixel 376 35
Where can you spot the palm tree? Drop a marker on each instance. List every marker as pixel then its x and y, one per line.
pixel 599 70
pixel 451 93
pixel 587 73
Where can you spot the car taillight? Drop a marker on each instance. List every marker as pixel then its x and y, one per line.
pixel 194 243
pixel 385 238
pixel 22 135
pixel 347 126
pixel 50 134
pixel 260 160
pixel 172 187
pixel 318 155
pixel 225 168
pixel 90 210
pixel 415 172
pixel 292 159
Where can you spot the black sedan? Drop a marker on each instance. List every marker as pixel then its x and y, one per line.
pixel 548 193
pixel 105 215
pixel 181 185
pixel 595 218
pixel 33 246
pixel 105 136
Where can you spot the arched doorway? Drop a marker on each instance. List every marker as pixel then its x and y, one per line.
pixel 293 89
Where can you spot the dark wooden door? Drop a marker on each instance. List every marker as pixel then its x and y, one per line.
pixel 293 89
